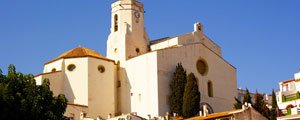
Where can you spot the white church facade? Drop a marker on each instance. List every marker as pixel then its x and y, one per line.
pixel 136 73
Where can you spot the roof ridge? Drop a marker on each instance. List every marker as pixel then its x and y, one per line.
pixel 84 50
pixel 80 52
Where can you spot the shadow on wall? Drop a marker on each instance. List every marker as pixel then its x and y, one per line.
pixel 68 91
pixel 124 94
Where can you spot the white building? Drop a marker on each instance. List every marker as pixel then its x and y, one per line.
pixel 136 73
pixel 288 97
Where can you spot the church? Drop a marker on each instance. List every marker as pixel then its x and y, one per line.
pixel 135 74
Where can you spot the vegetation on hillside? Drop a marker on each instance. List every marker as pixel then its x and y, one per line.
pixel 259 104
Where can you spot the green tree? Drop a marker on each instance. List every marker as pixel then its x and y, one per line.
pixel 1 76
pixel 177 89
pixel 238 104
pixel 247 97
pixel 260 105
pixel 274 108
pixel 191 97
pixel 21 98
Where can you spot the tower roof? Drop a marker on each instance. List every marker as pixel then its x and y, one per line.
pixel 80 52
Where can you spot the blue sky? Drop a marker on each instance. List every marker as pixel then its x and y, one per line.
pixel 260 38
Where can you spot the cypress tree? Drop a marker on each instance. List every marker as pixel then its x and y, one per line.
pixel 260 105
pixel 177 89
pixel 191 97
pixel 273 114
pixel 1 77
pixel 247 97
pixel 238 104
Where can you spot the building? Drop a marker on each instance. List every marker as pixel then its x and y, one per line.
pixel 136 73
pixel 241 92
pixel 247 113
pixel 289 117
pixel 87 79
pixel 288 96
pixel 267 97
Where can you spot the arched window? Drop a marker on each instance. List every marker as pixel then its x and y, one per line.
pixel 116 26
pixel 116 50
pixel 209 108
pixel 210 89
pixel 53 70
pixel 137 50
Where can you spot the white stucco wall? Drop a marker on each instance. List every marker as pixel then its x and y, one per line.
pixel 102 99
pixel 75 111
pixel 222 74
pixel 56 81
pixel 131 34
pixel 38 80
pixel 283 105
pixel 76 81
pixel 297 75
pixel 55 64
pixel 289 87
pixel 142 75
pixel 153 71
pixel 297 86
pixel 165 44
pixel 187 39
pixel 85 87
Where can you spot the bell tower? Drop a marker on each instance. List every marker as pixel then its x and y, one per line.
pixel 128 37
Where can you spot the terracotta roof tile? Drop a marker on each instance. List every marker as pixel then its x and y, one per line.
pixel 287 81
pixel 216 115
pixel 80 52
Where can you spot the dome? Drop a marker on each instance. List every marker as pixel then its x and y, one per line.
pixel 80 52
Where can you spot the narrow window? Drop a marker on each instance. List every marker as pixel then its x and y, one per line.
pixel 116 50
pixel 119 84
pixel 140 97
pixel 210 89
pixel 199 27
pixel 116 26
pixel 137 50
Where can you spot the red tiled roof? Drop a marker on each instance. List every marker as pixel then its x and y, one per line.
pixel 80 52
pixel 216 115
pixel 291 80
